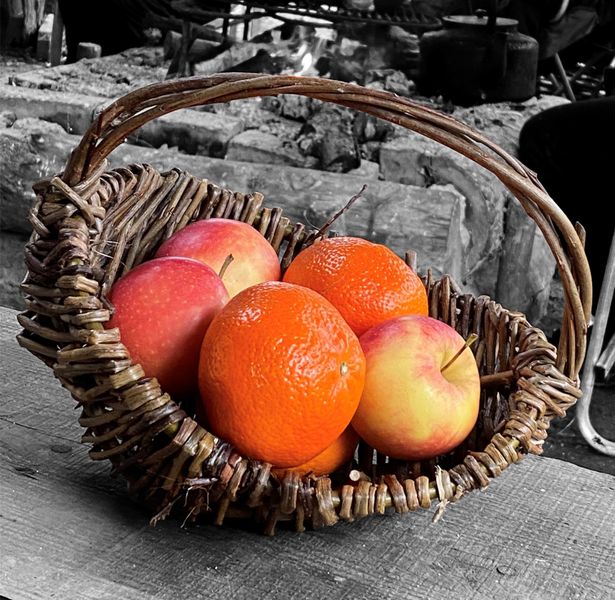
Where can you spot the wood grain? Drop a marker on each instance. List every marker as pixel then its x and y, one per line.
pixel 544 529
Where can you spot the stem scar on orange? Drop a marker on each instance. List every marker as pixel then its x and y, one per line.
pixel 280 373
pixel 367 282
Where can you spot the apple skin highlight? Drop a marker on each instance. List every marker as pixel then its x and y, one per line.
pixel 410 409
pixel 211 241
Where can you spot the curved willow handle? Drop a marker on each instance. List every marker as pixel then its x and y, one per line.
pixel 121 118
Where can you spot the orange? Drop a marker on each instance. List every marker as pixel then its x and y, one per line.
pixel 366 282
pixel 280 374
pixel 331 458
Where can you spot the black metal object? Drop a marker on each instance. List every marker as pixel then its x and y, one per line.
pixel 478 58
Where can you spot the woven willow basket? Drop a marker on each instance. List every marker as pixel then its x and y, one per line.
pixel 91 225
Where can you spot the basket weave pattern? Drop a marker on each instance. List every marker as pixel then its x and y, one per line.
pixel 91 225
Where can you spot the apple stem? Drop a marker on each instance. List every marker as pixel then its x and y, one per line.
pixel 471 339
pixel 227 261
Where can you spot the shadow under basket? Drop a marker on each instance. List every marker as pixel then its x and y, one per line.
pixel 91 225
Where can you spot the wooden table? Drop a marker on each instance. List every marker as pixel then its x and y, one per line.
pixel 544 529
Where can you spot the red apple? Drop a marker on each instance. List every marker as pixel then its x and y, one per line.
pixel 163 308
pixel 212 240
pixel 416 404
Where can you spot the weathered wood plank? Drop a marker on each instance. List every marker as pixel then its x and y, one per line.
pixel 544 529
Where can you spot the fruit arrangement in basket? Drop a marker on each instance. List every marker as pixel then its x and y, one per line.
pixel 295 369
pixel 238 386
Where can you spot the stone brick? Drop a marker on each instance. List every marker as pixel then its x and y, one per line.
pixel 12 269
pixel 74 112
pixel 367 169
pixel 415 160
pixel 110 76
pixel 257 146
pixel 501 122
pixel 192 131
pixel 507 255
pixel 524 251
pixel 30 150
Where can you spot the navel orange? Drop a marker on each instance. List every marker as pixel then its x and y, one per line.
pixel 331 458
pixel 280 373
pixel 367 282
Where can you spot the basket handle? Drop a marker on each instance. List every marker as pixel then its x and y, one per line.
pixel 124 116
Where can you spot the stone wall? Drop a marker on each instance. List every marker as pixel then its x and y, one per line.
pixel 420 195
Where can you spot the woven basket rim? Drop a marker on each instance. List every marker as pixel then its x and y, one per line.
pixel 62 309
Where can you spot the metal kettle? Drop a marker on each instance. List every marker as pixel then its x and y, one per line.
pixel 478 58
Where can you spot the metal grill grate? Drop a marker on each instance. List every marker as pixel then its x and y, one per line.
pixel 305 10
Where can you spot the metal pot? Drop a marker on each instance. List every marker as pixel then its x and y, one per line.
pixel 478 58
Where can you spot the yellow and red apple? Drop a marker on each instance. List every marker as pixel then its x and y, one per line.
pixel 162 308
pixel 212 240
pixel 416 403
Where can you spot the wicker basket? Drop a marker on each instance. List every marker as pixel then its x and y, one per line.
pixel 90 225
